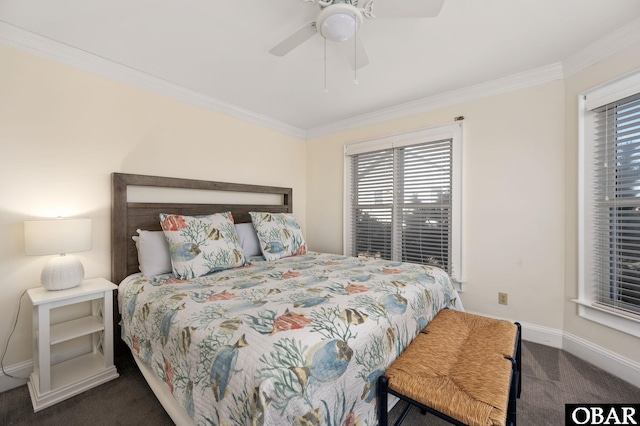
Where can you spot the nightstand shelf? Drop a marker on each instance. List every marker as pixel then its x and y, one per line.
pixel 75 328
pixel 51 383
pixel 74 370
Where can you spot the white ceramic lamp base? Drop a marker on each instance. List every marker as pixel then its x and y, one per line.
pixel 62 272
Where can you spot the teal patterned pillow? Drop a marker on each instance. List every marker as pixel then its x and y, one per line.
pixel 200 245
pixel 279 235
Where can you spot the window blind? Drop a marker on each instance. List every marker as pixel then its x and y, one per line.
pixel 402 205
pixel 616 202
pixel 372 194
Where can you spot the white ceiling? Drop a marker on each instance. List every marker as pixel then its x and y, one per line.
pixel 219 50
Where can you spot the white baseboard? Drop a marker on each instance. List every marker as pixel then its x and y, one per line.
pixel 611 362
pixel 21 370
pixel 624 368
pixel 542 335
pixel 534 333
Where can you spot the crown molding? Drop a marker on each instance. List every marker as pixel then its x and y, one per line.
pixel 491 88
pixel 611 44
pixel 38 45
pixel 615 42
pixel 46 48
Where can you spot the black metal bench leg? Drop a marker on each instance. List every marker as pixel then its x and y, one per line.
pixel 383 386
pixel 516 378
pixel 519 358
pixel 513 393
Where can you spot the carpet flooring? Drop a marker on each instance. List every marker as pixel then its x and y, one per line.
pixel 551 378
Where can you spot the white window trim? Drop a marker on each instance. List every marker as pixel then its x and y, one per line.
pixel 447 131
pixel 587 101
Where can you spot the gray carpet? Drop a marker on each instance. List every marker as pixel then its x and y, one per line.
pixel 551 378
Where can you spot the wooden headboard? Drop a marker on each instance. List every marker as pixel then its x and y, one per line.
pixel 127 217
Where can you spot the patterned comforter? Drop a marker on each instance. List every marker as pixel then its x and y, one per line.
pixel 301 340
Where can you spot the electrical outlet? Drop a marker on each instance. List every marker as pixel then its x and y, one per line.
pixel 503 298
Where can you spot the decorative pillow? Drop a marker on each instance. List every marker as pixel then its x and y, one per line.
pixel 248 239
pixel 199 245
pixel 153 253
pixel 279 235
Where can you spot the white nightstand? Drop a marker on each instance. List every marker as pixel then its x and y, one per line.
pixel 50 384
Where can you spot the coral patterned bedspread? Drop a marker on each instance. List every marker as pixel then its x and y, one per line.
pixel 301 340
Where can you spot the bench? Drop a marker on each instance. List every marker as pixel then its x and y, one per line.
pixel 463 368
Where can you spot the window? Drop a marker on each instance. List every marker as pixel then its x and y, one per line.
pixel 404 198
pixel 610 205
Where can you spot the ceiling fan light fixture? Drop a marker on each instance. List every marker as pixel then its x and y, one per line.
pixel 339 22
pixel 338 27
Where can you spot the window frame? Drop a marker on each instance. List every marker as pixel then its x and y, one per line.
pixel 588 101
pixel 451 131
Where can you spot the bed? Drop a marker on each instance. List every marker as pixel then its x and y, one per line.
pixel 299 340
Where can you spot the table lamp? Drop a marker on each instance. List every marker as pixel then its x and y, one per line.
pixel 58 236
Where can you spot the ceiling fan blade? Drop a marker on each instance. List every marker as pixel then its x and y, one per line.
pixel 357 57
pixel 294 40
pixel 406 8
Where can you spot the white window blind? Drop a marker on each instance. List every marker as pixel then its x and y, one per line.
pixel 400 204
pixel 423 176
pixel 372 207
pixel 616 201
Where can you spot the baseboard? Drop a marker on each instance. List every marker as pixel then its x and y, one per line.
pixel 611 362
pixel 542 335
pixel 21 370
pixel 534 333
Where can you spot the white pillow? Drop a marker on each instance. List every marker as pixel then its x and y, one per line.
pixel 248 239
pixel 153 253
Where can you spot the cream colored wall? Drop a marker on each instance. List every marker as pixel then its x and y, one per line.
pixel 520 200
pixel 64 131
pixel 513 204
pixel 602 72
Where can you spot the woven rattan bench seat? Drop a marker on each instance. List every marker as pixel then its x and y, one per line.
pixel 461 365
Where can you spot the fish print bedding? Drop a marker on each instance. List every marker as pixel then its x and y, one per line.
pixel 297 341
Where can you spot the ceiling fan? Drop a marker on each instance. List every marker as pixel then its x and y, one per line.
pixel 340 20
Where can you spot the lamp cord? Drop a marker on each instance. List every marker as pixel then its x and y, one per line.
pixel 6 346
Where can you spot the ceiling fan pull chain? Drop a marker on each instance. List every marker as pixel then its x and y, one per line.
pixel 355 55
pixel 325 67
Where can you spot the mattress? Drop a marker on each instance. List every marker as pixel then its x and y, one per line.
pixel 300 340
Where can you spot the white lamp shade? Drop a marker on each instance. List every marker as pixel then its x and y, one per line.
pixel 57 236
